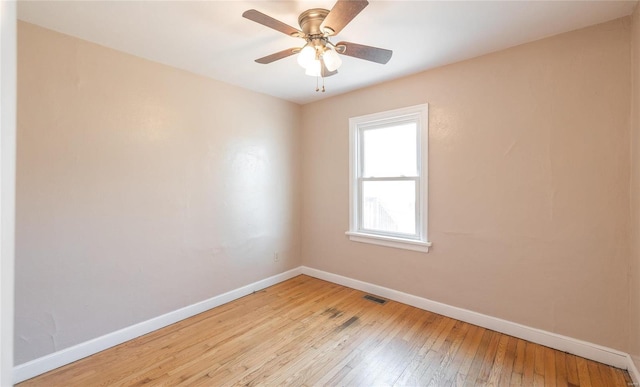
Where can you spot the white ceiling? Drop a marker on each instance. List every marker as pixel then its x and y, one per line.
pixel 212 38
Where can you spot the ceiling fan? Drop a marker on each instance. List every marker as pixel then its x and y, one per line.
pixel 319 56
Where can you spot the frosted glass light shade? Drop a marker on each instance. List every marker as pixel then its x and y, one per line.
pixel 306 56
pixel 331 59
pixel 314 68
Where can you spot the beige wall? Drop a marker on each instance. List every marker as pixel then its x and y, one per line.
pixel 141 189
pixel 634 269
pixel 528 183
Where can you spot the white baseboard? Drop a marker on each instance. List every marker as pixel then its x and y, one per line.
pixel 68 355
pixel 634 365
pixel 563 343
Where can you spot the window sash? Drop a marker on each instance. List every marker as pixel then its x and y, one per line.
pixel 416 212
pixel 384 124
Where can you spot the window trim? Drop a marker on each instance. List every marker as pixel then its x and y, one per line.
pixel 419 113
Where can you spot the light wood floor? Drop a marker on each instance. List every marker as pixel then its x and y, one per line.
pixel 309 332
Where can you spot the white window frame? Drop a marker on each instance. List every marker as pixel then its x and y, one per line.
pixel 420 115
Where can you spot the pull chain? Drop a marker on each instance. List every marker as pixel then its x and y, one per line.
pixel 318 86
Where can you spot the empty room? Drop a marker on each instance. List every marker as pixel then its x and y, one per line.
pixel 320 192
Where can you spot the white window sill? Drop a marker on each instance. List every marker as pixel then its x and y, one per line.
pixel 398 243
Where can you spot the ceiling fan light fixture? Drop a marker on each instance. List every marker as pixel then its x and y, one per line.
pixel 331 59
pixel 319 57
pixel 307 56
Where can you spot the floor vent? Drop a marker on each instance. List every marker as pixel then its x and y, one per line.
pixel 375 299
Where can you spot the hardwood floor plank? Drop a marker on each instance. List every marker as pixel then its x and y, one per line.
pixel 355 339
pixel 449 352
pixel 516 379
pixel 419 334
pixel 378 331
pixel 367 363
pixel 610 373
pixel 509 362
pixel 562 379
pixel 529 364
pixel 472 347
pixel 470 377
pixel 518 364
pixel 489 360
pixel 594 374
pixel 436 354
pixel 472 336
pixel 500 364
pixel 308 332
pixel 539 363
pixel 312 367
pixel 398 353
pixel 411 374
pixel 572 370
pixel 583 372
pixel 549 367
pixel 312 329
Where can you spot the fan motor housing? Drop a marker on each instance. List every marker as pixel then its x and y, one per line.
pixel 311 19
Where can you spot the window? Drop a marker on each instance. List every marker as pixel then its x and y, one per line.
pixel 388 178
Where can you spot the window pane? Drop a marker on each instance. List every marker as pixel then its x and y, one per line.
pixel 389 206
pixel 390 151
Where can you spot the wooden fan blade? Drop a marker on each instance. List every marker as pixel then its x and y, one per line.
pixel 373 54
pixel 278 55
pixel 270 22
pixel 341 14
